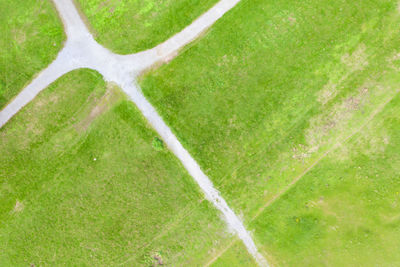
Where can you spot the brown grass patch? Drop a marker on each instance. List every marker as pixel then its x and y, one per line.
pixel 292 19
pixel 339 115
pixel 373 139
pixel 19 36
pixel 110 97
pixel 325 127
pixel 357 60
pixel 328 92
pixel 352 62
pixel 394 61
pixel 19 206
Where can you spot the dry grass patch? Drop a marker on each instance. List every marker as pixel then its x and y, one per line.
pixel 19 206
pixel 336 118
pixel 349 63
pixel 112 95
pixel 356 60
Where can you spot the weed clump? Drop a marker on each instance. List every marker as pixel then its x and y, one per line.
pixel 158 144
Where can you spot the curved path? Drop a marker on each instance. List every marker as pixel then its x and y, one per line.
pixel 82 51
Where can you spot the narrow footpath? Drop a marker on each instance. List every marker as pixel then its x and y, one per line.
pixel 82 51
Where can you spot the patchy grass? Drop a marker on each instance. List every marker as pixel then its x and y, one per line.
pixel 344 212
pixel 98 195
pixel 132 26
pixel 236 255
pixel 32 35
pixel 289 106
pixel 257 116
pixel 270 91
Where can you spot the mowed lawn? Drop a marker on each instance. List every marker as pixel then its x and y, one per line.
pixel 84 181
pixel 345 211
pixel 132 26
pixel 267 96
pixel 32 34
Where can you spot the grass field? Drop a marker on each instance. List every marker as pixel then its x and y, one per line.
pixel 83 183
pixel 132 26
pixel 345 211
pixel 271 91
pixel 32 35
pixel 290 107
pixel 236 256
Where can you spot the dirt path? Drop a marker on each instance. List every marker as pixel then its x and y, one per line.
pixel 82 51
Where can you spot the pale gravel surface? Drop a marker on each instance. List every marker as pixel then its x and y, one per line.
pixel 82 51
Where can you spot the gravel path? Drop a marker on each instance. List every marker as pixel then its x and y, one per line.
pixel 82 51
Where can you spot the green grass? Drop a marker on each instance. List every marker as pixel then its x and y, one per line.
pixel 269 91
pixel 81 183
pixel 32 34
pixel 236 255
pixel 295 109
pixel 344 212
pixel 132 26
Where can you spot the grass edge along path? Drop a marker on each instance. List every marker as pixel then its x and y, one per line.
pixel 94 153
pixel 33 35
pixel 132 26
pixel 315 163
